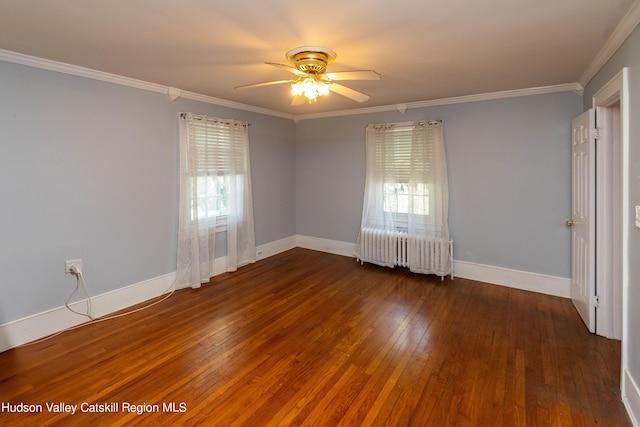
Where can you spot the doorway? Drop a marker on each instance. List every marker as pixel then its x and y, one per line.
pixel 608 223
pixel 613 98
pixel 599 177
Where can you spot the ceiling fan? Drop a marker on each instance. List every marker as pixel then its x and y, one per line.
pixel 310 67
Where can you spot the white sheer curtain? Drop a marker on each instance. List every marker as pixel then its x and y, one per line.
pixel 406 190
pixel 215 195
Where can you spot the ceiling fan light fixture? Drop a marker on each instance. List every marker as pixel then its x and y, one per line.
pixel 310 88
pixel 323 89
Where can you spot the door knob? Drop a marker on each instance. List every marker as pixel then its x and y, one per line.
pixel 571 223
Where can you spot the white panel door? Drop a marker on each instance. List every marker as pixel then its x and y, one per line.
pixel 582 218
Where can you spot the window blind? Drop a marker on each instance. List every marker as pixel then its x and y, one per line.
pixel 401 150
pixel 219 147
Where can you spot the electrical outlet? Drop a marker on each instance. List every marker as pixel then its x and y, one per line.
pixel 71 263
pixel 638 216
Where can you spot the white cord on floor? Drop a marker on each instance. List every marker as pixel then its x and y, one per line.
pixel 93 320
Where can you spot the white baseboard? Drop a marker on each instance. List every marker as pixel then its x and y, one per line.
pixel 39 325
pixel 535 282
pixel 274 248
pixel 631 398
pixel 551 285
pixel 325 245
pixel 48 322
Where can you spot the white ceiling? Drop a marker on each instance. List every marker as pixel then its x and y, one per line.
pixel 424 49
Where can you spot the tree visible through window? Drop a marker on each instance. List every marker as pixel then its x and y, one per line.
pixel 405 198
pixel 212 201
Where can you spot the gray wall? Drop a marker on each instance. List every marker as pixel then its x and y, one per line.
pixel 90 170
pixel 628 55
pixel 509 164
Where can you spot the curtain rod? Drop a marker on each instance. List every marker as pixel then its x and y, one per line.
pixel 408 124
pixel 213 119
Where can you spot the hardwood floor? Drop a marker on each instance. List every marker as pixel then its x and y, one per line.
pixel 309 338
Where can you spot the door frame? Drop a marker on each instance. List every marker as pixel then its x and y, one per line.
pixel 612 93
pixel 608 221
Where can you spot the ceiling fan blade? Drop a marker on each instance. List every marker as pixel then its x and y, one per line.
pixel 354 75
pixel 274 82
pixel 288 68
pixel 348 92
pixel 298 100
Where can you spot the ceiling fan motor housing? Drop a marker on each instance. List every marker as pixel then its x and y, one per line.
pixel 312 60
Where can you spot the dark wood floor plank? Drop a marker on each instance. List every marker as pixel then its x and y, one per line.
pixel 309 338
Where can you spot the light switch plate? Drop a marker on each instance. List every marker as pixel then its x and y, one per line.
pixel 638 216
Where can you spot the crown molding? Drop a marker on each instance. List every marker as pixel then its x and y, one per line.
pixel 74 70
pixel 628 23
pixel 569 87
pixel 224 103
pixel 173 93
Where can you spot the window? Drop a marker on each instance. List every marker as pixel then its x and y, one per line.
pixel 216 167
pixel 405 198
pixel 212 201
pixel 403 162
pixel 215 196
